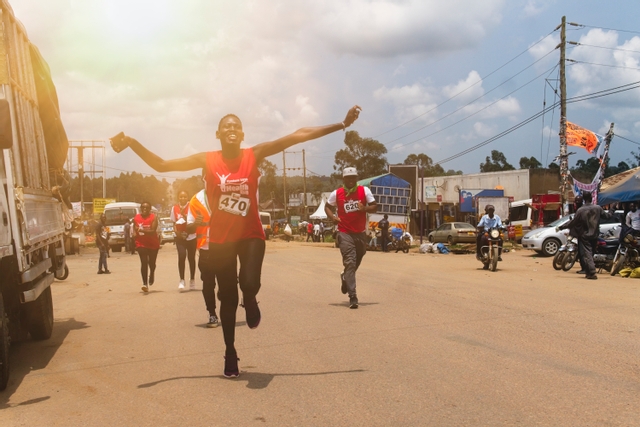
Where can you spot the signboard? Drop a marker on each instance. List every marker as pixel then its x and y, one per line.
pixel 77 209
pixel 99 204
pixel 439 198
pixel 430 192
pixel 467 198
pixel 295 220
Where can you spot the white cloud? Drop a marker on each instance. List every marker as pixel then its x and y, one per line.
pixel 465 90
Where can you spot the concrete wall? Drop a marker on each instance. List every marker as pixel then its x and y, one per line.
pixel 519 184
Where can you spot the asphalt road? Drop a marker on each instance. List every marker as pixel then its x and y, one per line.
pixel 436 341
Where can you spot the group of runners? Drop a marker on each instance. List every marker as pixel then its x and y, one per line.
pixel 226 223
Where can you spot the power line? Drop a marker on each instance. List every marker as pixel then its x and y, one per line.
pixel 580 98
pixel 604 47
pixel 609 29
pixel 627 139
pixel 469 87
pixel 602 65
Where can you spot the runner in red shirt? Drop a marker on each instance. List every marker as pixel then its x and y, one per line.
pixel 236 232
pixel 145 226
pixel 352 201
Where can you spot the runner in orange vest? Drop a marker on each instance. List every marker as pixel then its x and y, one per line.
pixel 185 242
pixel 198 219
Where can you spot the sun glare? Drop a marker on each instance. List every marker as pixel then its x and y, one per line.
pixel 141 20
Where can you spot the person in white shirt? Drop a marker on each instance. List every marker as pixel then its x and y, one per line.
pixel 633 217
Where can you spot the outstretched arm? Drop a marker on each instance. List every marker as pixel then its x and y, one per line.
pixel 195 161
pixel 270 148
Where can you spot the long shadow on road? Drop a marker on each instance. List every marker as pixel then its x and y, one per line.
pixel 255 380
pixel 28 356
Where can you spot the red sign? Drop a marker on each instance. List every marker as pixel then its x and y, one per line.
pixel 439 198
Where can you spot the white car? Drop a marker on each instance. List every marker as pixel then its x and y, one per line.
pixel 546 240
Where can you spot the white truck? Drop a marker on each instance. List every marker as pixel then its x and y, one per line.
pixel 33 147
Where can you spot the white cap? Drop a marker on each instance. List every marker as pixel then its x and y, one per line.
pixel 349 172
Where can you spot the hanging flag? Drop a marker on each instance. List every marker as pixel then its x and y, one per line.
pixel 579 187
pixel 581 137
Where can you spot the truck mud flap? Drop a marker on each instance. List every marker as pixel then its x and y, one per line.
pixel 38 288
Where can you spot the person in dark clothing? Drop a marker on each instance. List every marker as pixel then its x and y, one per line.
pixel 383 225
pixel 578 202
pixel 585 226
pixel 127 236
pixel 102 242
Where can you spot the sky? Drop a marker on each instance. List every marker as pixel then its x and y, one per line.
pixel 431 77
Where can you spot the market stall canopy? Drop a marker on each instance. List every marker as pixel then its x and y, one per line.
pixel 386 180
pixel 319 213
pixel 623 187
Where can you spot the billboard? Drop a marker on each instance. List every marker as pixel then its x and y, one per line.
pixel 99 204
pixel 468 196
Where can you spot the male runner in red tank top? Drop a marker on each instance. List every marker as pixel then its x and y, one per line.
pixel 353 202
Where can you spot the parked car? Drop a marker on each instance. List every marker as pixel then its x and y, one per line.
pixel 166 230
pixel 546 240
pixel 453 232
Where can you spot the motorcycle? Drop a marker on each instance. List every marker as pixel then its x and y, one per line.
pixel 570 251
pixel 628 253
pixel 603 255
pixel 559 257
pixel 400 240
pixel 490 247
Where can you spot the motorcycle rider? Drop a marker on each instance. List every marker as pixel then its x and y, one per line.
pixel 489 220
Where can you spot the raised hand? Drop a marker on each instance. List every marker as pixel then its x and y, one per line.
pixel 119 142
pixel 352 115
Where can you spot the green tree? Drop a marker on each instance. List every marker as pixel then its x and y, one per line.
pixel 365 154
pixel 529 163
pixel 614 170
pixel 268 182
pixel 497 162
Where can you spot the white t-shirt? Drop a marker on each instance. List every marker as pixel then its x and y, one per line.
pixel 633 219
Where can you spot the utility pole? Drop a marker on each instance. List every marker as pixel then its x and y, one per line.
pixel 284 184
pixel 304 185
pixel 564 161
pixel 94 145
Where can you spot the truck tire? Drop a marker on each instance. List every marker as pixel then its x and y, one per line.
pixel 40 316
pixel 4 346
pixel 64 275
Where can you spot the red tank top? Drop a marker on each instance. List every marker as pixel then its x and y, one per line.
pixel 232 188
pixel 177 214
pixel 147 240
pixel 351 219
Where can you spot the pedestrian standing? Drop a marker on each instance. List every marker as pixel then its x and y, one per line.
pixel 310 231
pixel 198 219
pixel 585 225
pixel 632 219
pixel 102 242
pixel 185 242
pixel 383 225
pixel 352 202
pixel 127 236
pixel 145 226
pixel 236 232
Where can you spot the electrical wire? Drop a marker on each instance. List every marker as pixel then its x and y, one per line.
pixel 608 29
pixel 469 87
pixel 595 95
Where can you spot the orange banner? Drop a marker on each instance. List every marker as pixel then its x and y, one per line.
pixel 581 137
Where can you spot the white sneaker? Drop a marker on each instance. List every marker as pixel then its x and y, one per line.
pixel 192 285
pixel 181 285
pixel 145 288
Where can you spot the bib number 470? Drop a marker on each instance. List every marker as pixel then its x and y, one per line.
pixel 234 204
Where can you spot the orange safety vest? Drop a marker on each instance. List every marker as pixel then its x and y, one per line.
pixel 198 205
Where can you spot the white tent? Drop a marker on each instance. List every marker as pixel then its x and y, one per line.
pixel 319 213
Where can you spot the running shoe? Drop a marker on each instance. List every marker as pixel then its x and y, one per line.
pixel 145 288
pixel 107 272
pixel 343 287
pixel 231 366
pixel 213 321
pixel 181 284
pixel 100 272
pixel 353 301
pixel 253 312
pixel 192 285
